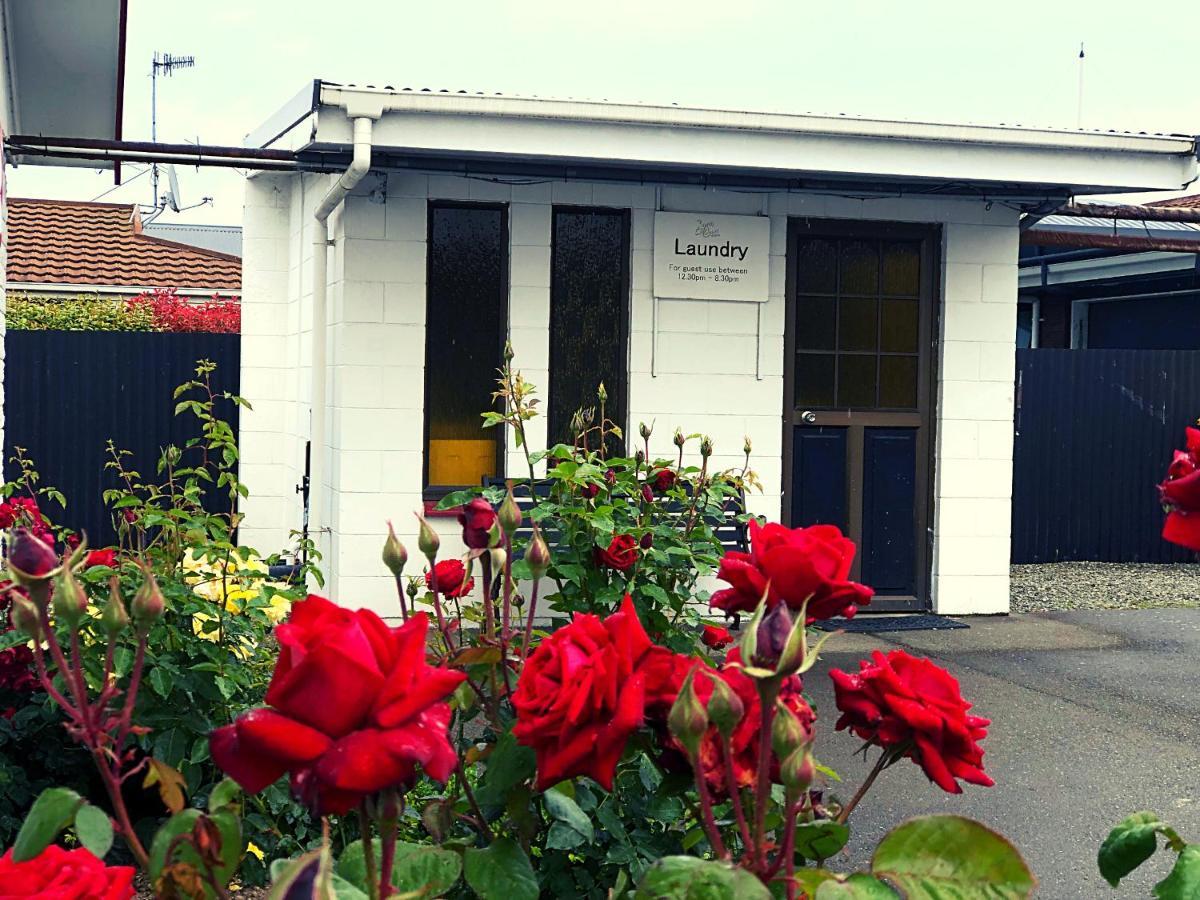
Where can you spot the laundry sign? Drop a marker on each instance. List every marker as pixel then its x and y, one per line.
pixel 705 257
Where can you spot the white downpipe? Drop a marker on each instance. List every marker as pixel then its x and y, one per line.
pixel 360 164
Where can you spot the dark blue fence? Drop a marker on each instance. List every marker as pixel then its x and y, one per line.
pixel 1095 430
pixel 66 393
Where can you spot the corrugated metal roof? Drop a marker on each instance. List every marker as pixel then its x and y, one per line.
pixel 1180 230
pixel 222 238
pixel 797 112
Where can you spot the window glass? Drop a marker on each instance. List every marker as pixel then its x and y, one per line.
pixel 465 313
pixel 589 302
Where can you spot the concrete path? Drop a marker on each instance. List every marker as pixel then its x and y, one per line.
pixel 1095 714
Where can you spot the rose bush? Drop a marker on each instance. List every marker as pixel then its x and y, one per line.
pixel 1180 494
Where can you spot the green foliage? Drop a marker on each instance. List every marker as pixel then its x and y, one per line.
pixel 501 871
pixel 52 811
pixel 691 878
pixel 83 312
pixel 1134 841
pixel 419 871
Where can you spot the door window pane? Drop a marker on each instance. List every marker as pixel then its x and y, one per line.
pixel 898 382
pixel 465 313
pixel 898 326
pixel 902 269
pixel 814 379
pixel 589 305
pixel 1024 326
pixel 816 267
pixel 816 321
pixel 859 267
pixel 857 321
pixel 856 381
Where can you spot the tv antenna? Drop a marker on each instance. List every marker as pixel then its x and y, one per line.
pixel 1079 98
pixel 166 63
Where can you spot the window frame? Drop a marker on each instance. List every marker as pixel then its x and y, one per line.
pixel 434 493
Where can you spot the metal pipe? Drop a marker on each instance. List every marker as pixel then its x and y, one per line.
pixel 27 143
pixel 1131 212
pixel 360 164
pixel 1047 238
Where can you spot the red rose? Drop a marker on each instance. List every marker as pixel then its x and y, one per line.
pixel 450 574
pixel 799 563
pixel 647 494
pixel 744 742
pixel 664 480
pixel 590 491
pixel 905 701
pixel 106 557
pixel 716 637
pixel 585 690
pixel 20 511
pixel 1180 495
pixel 58 874
pixel 30 556
pixel 477 519
pixel 620 555
pixel 353 708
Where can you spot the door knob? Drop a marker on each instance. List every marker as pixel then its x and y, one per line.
pixel 808 417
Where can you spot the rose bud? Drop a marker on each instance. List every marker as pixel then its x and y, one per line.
pixel 645 430
pixel 788 733
pixel 509 515
pixel 499 557
pixel 746 447
pixel 601 393
pixel 70 601
pixel 798 771
pixel 706 446
pixel 590 491
pixel 148 602
pixel 646 541
pixel 647 493
pixel 508 352
pixel 716 637
pixel 725 707
pixel 477 519
pixel 772 636
pixel 427 539
pixel 25 616
pixel 610 477
pixel 30 559
pixel 679 440
pixel 413 588
pixel 639 457
pixel 394 554
pixel 537 555
pixel 114 619
pixel 688 719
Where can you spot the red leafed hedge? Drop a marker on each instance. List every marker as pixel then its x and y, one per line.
pixel 170 312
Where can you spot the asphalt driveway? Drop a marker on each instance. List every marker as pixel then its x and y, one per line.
pixel 1095 714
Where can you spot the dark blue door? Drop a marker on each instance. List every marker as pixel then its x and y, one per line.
pixel 856 417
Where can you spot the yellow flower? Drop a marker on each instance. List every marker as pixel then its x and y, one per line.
pixel 253 850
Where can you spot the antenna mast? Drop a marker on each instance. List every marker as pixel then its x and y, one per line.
pixel 165 63
pixel 1079 100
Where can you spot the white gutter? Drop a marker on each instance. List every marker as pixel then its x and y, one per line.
pixel 360 164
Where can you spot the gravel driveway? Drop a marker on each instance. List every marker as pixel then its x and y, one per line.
pixel 1090 585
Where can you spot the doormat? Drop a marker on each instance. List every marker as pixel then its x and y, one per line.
pixel 870 623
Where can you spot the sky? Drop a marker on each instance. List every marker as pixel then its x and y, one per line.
pixel 1013 62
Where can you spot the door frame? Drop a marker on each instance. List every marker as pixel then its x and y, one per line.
pixel 929 346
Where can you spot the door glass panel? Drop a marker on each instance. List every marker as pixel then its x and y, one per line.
pixel 898 382
pixel 856 381
pixel 902 269
pixel 898 326
pixel 816 267
pixel 857 321
pixel 814 379
pixel 816 318
pixel 859 267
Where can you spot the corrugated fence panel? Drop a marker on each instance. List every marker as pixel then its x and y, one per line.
pixel 68 392
pixel 1095 430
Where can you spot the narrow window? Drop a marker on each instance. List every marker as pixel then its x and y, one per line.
pixel 465 313
pixel 589 317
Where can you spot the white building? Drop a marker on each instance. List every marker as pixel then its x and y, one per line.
pixel 858 325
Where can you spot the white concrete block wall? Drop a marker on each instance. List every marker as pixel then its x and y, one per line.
pixel 704 363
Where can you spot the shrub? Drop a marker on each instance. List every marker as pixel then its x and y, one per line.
pixel 83 312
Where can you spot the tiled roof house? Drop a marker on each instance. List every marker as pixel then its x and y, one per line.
pixel 58 247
